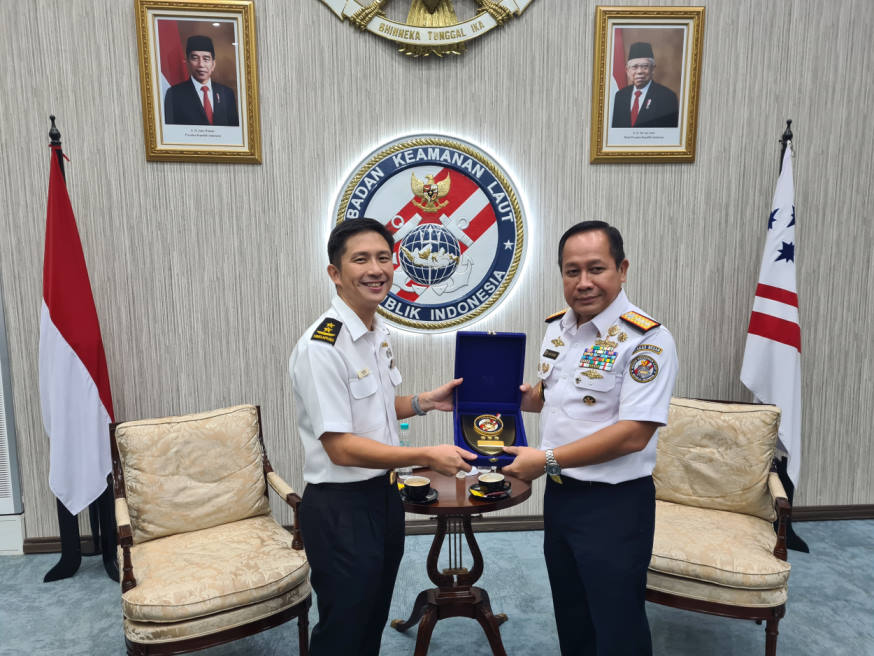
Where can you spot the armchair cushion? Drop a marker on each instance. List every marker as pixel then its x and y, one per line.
pixel 158 632
pixel 190 575
pixel 718 455
pixel 724 549
pixel 192 472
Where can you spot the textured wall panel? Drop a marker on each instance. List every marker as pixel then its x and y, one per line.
pixel 204 275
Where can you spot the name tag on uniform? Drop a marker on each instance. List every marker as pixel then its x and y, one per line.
pixel 364 372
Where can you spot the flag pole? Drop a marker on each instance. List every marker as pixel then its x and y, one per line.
pixel 784 140
pixel 793 541
pixel 101 511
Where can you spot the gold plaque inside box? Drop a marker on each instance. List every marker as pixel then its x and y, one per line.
pixel 485 444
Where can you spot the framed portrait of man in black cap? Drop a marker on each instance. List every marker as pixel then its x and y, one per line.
pixel 647 73
pixel 198 80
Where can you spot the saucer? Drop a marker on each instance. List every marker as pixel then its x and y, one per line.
pixel 478 491
pixel 431 497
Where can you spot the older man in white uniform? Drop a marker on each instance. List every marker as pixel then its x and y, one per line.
pixel 345 377
pixel 606 374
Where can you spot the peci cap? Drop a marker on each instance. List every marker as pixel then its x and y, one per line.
pixel 202 43
pixel 640 50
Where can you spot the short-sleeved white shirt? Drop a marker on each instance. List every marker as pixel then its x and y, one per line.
pixel 584 393
pixel 344 387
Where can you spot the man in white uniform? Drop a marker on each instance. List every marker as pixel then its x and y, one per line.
pixel 344 376
pixel 606 374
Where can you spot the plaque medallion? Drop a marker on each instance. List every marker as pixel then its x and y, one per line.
pixel 432 27
pixel 457 222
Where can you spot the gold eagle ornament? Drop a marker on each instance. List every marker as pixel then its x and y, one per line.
pixel 430 192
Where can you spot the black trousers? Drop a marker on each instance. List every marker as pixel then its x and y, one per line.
pixel 353 534
pixel 597 545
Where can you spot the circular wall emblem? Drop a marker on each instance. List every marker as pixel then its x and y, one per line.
pixel 458 227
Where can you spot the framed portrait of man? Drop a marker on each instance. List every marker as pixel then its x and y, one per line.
pixel 646 82
pixel 199 81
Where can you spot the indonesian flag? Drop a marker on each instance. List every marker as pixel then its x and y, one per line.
pixel 172 56
pixel 619 79
pixel 73 381
pixel 772 358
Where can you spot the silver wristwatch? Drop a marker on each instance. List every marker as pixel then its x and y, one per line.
pixel 553 469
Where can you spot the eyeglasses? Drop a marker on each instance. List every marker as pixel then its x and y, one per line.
pixel 639 67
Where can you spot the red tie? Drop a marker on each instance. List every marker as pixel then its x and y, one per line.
pixel 208 108
pixel 634 108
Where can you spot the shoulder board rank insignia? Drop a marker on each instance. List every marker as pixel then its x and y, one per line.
pixel 639 321
pixel 555 317
pixel 327 331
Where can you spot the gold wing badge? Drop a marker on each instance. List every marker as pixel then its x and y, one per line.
pixel 430 192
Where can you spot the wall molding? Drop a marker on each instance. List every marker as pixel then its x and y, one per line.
pixel 483 524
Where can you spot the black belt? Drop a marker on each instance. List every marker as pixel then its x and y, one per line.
pixel 374 483
pixel 569 482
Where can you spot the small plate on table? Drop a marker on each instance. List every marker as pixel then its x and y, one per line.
pixel 431 497
pixel 477 491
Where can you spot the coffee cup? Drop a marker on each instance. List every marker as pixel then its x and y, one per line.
pixel 417 487
pixel 492 482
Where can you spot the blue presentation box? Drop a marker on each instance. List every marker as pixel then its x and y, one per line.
pixel 492 366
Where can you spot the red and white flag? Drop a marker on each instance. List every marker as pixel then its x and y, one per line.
pixel 73 381
pixel 619 79
pixel 772 358
pixel 171 55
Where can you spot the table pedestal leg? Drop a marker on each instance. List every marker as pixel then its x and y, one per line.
pixel 455 596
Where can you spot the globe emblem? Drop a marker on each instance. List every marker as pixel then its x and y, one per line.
pixel 429 254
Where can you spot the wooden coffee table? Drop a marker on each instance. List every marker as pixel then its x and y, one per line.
pixel 455 594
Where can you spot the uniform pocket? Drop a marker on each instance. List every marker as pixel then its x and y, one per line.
pixel 394 375
pixel 363 387
pixel 367 409
pixel 593 397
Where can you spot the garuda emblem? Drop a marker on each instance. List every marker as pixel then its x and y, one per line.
pixel 430 192
pixel 432 27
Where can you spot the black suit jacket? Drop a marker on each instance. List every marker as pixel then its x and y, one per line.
pixel 658 108
pixel 182 105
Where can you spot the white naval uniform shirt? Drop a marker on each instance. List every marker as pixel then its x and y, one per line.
pixel 344 387
pixel 577 405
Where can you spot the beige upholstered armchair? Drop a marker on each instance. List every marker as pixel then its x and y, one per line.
pixel 203 561
pixel 715 548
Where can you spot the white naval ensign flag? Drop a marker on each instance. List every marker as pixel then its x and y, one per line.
pixel 772 357
pixel 73 381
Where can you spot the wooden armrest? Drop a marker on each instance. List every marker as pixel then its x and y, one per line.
pixel 122 521
pixel 784 512
pixel 284 490
pixel 125 541
pixel 775 485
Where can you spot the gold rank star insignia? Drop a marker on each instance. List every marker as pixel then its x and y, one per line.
pixel 557 342
pixel 327 331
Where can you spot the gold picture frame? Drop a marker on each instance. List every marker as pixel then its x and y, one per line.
pixel 207 43
pixel 655 51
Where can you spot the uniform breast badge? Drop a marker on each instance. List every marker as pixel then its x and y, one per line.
pixel 432 27
pixel 643 369
pixel 599 357
pixel 557 342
